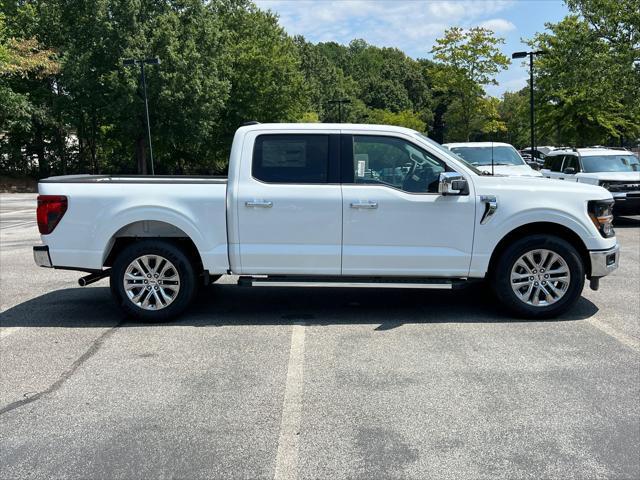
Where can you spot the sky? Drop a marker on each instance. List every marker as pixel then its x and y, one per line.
pixel 414 25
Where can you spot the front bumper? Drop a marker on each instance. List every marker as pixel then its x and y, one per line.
pixel 603 262
pixel 41 256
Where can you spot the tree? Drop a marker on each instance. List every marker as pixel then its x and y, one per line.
pixel 406 118
pixel 514 112
pixel 324 80
pixel 616 21
pixel 25 65
pixel 466 62
pixel 266 82
pixel 590 101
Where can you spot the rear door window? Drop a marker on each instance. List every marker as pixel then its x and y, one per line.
pixel 285 158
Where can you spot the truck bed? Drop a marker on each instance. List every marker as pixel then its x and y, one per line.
pixel 102 208
pixel 152 179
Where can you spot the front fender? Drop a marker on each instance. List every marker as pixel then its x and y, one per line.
pixel 488 236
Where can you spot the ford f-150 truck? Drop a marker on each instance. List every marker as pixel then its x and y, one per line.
pixel 330 205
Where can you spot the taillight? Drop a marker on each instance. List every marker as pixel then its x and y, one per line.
pixel 51 208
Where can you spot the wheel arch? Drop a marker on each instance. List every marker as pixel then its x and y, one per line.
pixel 541 228
pixel 145 229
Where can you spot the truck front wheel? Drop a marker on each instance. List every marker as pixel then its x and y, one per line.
pixel 539 276
pixel 153 280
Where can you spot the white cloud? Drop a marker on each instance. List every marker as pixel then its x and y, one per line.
pixel 498 25
pixel 411 26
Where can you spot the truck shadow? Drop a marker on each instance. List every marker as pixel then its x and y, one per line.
pixel 228 305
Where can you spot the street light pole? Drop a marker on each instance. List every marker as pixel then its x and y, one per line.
pixel 146 112
pixel 339 103
pixel 143 80
pixel 532 117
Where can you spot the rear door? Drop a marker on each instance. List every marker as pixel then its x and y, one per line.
pixel 289 204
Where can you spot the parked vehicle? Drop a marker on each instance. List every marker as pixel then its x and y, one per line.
pixel 531 161
pixel 493 158
pixel 536 156
pixel 617 170
pixel 329 206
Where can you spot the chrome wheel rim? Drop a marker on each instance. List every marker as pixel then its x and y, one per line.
pixel 151 282
pixel 540 277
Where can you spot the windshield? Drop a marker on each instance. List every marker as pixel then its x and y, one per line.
pixel 447 152
pixel 611 163
pixel 481 156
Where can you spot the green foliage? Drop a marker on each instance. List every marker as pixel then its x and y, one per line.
pixel 405 118
pixel 514 112
pixel 468 60
pixel 587 89
pixel 616 21
pixel 492 123
pixel 67 104
pixel 371 78
pixel 267 84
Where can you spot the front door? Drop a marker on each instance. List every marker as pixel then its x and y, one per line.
pixel 553 167
pixel 289 205
pixel 395 221
pixel 570 162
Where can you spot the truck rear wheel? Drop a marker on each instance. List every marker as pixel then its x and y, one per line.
pixel 539 276
pixel 153 280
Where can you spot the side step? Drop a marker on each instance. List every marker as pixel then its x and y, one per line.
pixel 352 282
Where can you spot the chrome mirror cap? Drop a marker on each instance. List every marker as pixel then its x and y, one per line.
pixel 452 183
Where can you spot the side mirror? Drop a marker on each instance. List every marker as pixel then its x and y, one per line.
pixel 569 171
pixel 452 183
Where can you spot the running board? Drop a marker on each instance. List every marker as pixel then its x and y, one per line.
pixel 352 282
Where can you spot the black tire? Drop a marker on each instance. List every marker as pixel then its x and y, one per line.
pixel 501 278
pixel 168 251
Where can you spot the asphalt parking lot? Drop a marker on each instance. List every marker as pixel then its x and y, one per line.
pixel 314 383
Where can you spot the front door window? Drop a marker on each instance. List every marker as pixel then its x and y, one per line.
pixel 396 163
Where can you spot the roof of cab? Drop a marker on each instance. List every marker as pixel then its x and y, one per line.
pixel 590 152
pixel 476 144
pixel 327 126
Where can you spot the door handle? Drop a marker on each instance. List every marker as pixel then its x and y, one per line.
pixel 366 205
pixel 259 203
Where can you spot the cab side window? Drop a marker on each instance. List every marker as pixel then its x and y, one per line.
pixel 571 161
pixel 396 163
pixel 554 163
pixel 291 158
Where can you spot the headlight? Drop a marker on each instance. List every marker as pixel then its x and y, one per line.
pixel 601 214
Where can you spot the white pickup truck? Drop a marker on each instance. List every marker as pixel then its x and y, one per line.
pixel 616 170
pixel 330 205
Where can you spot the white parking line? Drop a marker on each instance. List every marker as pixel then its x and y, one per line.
pixel 8 331
pixel 619 336
pixel 287 457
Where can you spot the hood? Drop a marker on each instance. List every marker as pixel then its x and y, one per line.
pixel 511 170
pixel 487 185
pixel 615 176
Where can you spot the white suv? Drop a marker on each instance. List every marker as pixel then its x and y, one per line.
pixel 493 158
pixel 616 170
